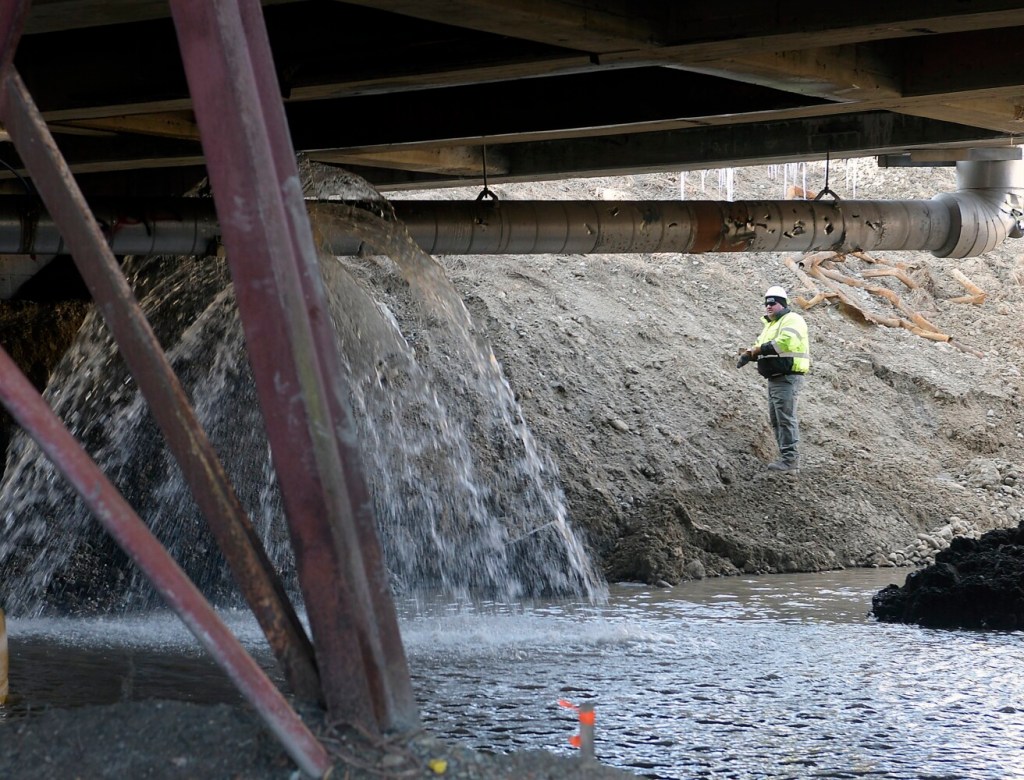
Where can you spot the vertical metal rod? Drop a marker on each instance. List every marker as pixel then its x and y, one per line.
pixel 292 349
pixel 587 719
pixel 33 414
pixel 387 667
pixel 149 366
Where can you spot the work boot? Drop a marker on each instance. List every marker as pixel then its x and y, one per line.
pixel 781 465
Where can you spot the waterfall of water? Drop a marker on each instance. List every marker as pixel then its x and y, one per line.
pixel 51 551
pixel 467 502
pixel 444 396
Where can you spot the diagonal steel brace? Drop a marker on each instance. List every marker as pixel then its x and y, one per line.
pixel 296 361
pixel 151 370
pixel 35 416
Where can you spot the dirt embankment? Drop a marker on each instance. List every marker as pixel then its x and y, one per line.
pixel 625 369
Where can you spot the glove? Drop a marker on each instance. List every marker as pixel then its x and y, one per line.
pixel 745 357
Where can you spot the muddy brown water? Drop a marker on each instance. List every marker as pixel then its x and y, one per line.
pixel 746 677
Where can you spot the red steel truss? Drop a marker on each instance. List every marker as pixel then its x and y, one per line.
pixel 356 663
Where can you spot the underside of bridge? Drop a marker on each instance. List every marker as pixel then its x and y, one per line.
pixel 433 93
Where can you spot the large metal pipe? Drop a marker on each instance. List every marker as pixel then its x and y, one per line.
pixel 986 209
pixel 983 212
pixel 180 226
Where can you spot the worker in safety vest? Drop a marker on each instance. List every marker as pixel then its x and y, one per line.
pixel 783 355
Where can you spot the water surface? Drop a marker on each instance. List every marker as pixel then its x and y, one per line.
pixel 749 677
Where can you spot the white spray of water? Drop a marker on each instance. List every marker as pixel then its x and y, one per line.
pixel 467 501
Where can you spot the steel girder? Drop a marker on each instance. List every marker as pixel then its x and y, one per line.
pixel 360 666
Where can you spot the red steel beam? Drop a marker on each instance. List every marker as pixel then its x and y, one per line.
pixel 149 366
pixel 295 360
pixel 388 670
pixel 34 415
pixel 12 23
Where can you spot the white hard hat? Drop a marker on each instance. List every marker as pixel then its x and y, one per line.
pixel 776 292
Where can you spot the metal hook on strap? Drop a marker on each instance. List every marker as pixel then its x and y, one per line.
pixel 826 190
pixel 486 192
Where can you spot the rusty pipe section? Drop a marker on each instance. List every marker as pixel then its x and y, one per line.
pixel 695 227
pixel 986 209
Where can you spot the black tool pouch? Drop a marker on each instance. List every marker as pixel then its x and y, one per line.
pixel 774 366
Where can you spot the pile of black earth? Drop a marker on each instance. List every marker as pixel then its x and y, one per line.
pixel 973 584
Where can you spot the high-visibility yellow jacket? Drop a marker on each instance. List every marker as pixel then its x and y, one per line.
pixel 785 345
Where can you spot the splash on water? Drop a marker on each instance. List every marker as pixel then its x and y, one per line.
pixel 467 502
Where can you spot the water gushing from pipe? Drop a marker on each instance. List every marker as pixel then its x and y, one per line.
pixel 466 500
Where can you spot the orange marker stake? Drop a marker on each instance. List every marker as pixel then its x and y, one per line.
pixel 585 739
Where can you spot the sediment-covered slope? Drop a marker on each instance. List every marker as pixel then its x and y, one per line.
pixel 625 369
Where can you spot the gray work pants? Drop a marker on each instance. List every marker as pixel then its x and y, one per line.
pixel 782 395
